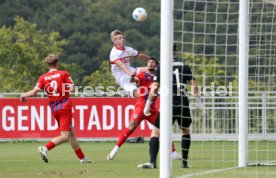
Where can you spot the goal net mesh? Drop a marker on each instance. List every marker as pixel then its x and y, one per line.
pixel 206 33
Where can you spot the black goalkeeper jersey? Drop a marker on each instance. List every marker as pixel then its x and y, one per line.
pixel 182 74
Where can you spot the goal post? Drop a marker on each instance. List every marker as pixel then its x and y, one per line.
pixel 166 43
pixel 230 47
pixel 243 80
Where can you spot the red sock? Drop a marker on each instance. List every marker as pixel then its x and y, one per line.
pixel 50 145
pixel 123 137
pixel 173 148
pixel 79 153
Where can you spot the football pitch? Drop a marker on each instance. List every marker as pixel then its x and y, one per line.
pixel 21 159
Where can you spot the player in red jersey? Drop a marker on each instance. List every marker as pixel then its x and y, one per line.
pixel 144 79
pixel 57 84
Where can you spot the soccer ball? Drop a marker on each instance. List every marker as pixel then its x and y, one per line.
pixel 139 14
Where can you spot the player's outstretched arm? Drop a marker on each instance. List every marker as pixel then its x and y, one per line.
pixel 133 79
pixel 194 85
pixel 199 103
pixel 143 57
pixel 152 95
pixel 141 69
pixel 124 68
pixel 153 91
pixel 30 93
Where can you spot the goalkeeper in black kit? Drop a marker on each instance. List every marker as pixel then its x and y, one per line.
pixel 182 76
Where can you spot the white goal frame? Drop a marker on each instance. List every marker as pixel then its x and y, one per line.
pixel 166 42
pixel 166 45
pixel 243 80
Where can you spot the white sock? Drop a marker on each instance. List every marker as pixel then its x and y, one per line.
pixel 116 148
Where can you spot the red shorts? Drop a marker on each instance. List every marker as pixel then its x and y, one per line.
pixel 64 119
pixel 138 115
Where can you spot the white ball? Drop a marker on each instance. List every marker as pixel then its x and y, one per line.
pixel 139 14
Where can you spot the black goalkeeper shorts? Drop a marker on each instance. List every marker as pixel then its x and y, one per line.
pixel 182 114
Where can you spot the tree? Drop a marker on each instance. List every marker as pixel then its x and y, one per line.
pixel 23 48
pixel 101 77
pixel 86 24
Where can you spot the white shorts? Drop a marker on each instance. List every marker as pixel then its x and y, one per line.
pixel 125 84
pixel 123 80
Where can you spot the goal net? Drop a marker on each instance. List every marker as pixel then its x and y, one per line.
pixel 206 33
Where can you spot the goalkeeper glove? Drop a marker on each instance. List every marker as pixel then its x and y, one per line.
pixel 147 108
pixel 200 105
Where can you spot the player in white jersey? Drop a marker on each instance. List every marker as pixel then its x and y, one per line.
pixel 120 56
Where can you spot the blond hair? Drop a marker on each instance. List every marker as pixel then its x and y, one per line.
pixel 115 33
pixel 52 59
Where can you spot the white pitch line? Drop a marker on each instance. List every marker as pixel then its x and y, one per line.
pixel 208 172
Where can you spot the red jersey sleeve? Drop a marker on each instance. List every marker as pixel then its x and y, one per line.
pixel 68 79
pixel 140 76
pixel 40 83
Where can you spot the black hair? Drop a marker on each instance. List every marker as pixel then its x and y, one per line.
pixel 152 58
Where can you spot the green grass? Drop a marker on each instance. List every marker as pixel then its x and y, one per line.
pixel 21 160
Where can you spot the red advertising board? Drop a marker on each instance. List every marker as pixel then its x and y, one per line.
pixel 94 118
